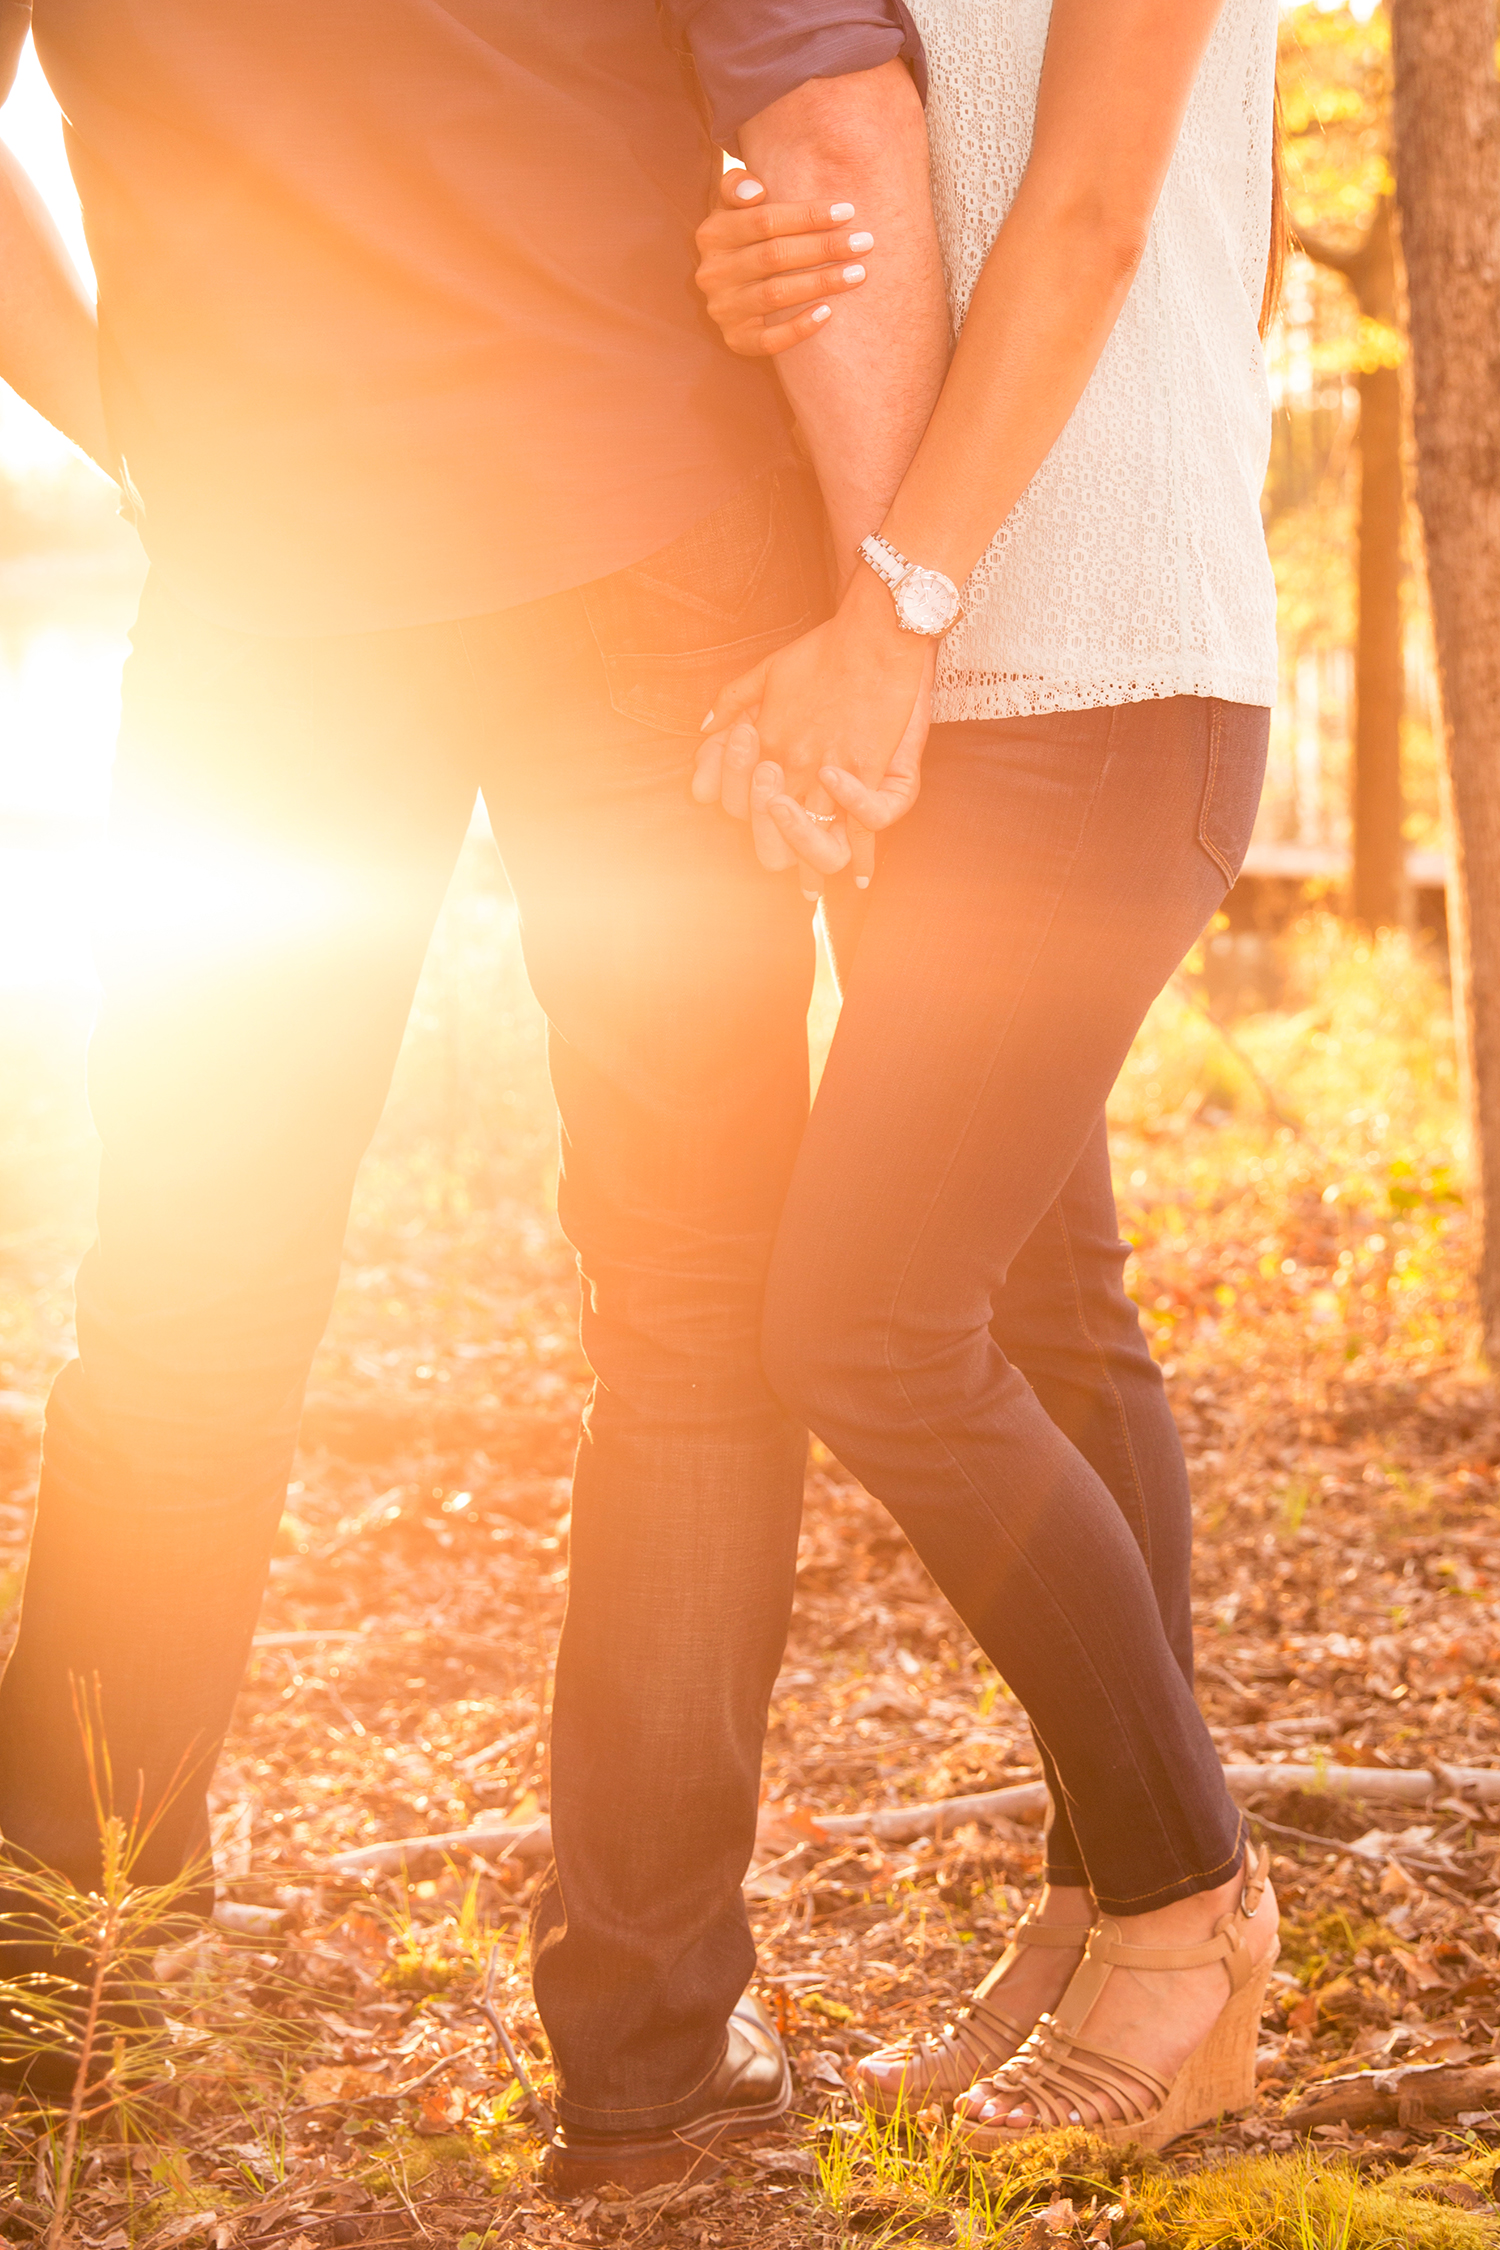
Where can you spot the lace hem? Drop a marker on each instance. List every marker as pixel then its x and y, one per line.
pixel 1020 695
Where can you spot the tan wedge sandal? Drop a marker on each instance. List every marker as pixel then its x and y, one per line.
pixel 1056 2076
pixel 936 2067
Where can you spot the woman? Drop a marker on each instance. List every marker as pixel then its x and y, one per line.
pixel 946 1306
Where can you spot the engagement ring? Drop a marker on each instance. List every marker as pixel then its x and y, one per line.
pixel 823 819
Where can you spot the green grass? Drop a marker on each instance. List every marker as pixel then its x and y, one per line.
pixel 1301 2201
pixel 887 2182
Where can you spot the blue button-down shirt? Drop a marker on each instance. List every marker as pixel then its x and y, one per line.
pixel 396 304
pixel 749 53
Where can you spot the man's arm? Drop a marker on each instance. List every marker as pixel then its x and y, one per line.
pixel 823 100
pixel 863 388
pixel 49 341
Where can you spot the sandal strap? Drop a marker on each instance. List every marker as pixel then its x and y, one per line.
pixel 1070 1936
pixel 1109 1948
pixel 979 2031
pixel 971 2040
pixel 1029 1931
pixel 1257 1876
pixel 1225 1945
pixel 967 2044
pixel 1055 2075
pixel 965 2049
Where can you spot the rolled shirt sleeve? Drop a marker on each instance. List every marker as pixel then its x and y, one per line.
pixel 748 53
pixel 15 22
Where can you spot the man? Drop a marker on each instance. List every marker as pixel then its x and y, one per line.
pixel 447 485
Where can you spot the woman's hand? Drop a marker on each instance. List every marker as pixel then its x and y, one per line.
pixel 768 269
pixel 843 714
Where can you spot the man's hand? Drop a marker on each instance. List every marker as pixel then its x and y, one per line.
pixel 768 269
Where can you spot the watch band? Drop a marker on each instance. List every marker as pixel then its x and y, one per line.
pixel 884 560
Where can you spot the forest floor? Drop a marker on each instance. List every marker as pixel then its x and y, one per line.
pixel 1300 1258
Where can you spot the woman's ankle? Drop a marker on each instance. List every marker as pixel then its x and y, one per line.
pixel 1192 1920
pixel 1066 1906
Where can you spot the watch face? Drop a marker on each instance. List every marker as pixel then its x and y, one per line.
pixel 927 602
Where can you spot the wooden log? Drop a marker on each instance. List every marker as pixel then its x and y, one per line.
pixel 1422 2093
pixel 531 1842
pixel 1390 1785
pixel 528 1842
pixel 903 1824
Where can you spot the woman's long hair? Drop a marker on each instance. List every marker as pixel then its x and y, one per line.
pixel 1281 233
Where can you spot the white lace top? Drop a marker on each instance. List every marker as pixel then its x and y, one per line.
pixel 1135 563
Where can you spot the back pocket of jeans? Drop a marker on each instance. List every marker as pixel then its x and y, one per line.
pixel 679 626
pixel 1238 734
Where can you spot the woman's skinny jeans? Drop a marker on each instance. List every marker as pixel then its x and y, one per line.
pixel 946 1305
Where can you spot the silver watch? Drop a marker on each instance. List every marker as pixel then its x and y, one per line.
pixel 926 601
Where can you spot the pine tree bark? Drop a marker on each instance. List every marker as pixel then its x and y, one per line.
pixel 1447 149
pixel 1378 890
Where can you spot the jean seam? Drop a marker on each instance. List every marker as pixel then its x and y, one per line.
pixel 1215 738
pixel 891 1369
pixel 1113 1387
pixel 1196 1875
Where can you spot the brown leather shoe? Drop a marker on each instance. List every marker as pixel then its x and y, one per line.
pixel 750 2089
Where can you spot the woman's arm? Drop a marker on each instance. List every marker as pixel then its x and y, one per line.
pixel 49 342
pixel 1114 88
pixel 1115 84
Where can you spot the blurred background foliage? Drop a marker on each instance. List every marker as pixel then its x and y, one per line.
pixel 1335 77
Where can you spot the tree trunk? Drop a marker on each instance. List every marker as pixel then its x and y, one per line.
pixel 1378 891
pixel 1447 117
pixel 1379 859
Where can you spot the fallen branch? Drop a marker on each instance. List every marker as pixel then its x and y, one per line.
pixel 1421 2094
pixel 542 2120
pixel 531 1842
pixel 903 1824
pixel 1391 1785
pixel 528 1842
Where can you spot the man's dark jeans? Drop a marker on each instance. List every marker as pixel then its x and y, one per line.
pixel 946 1306
pixel 285 819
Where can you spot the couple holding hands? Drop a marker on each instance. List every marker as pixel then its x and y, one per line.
pixel 947 513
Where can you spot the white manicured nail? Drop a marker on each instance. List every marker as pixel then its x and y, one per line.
pixel 841 211
pixel 744 189
pixel 861 882
pixel 861 241
pixel 820 312
pixel 854 273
